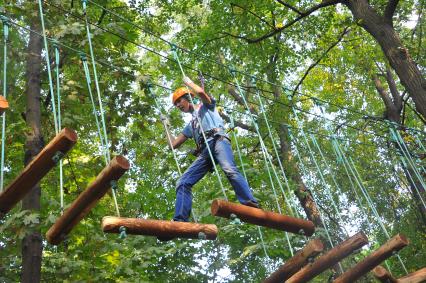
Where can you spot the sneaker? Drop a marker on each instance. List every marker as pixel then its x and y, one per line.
pixel 252 204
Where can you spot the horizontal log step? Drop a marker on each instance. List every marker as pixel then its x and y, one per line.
pixel 159 228
pixel 256 216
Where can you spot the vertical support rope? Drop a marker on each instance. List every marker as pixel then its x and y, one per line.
pixel 49 72
pixel 305 172
pixel 312 157
pixel 95 112
pixel 359 182
pixel 58 93
pixel 101 110
pixel 201 128
pixel 5 22
pixel 290 204
pixel 406 153
pixel 267 159
pixel 95 75
pixel 245 176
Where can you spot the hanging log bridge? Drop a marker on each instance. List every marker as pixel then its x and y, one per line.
pixel 159 228
pixel 4 105
pixel 37 169
pixel 375 258
pixel 256 216
pixel 384 276
pixel 87 199
pixel 330 258
pixel 299 260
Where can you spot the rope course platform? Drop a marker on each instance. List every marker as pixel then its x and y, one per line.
pixel 160 228
pixel 294 264
pixel 37 169
pixel 4 105
pixel 330 258
pixel 106 179
pixel 256 216
pixel 384 276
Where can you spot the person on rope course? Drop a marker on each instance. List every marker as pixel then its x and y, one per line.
pixel 219 144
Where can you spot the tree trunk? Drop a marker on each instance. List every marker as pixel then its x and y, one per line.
pixel 393 114
pixel 382 30
pixel 32 242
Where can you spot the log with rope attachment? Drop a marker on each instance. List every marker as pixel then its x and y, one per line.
pixel 376 257
pixel 256 216
pixel 329 258
pixel 164 230
pixel 87 199
pixel 37 169
pixel 294 264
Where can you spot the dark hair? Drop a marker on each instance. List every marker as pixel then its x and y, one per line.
pixel 186 96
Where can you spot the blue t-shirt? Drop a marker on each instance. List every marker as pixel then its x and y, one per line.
pixel 209 118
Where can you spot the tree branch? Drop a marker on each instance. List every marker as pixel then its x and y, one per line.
pixel 345 31
pixel 289 6
pixel 237 123
pixel 302 15
pixel 390 10
pixel 239 99
pixel 254 14
pixel 397 100
pixel 382 92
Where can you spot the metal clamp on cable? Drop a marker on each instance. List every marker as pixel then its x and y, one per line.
pixel 123 234
pixel 114 185
pixel 58 156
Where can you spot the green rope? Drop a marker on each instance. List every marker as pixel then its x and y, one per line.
pixel 286 197
pixel 173 48
pixel 267 158
pixel 413 181
pixel 49 72
pixel 406 153
pixel 94 110
pixel 315 142
pixel 58 93
pixel 245 177
pixel 5 22
pixel 305 173
pixel 313 159
pixel 363 190
pixel 95 75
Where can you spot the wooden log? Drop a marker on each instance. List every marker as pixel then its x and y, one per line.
pixel 37 169
pixel 372 260
pixel 159 228
pixel 383 275
pixel 415 277
pixel 4 105
pixel 87 199
pixel 223 208
pixel 330 258
pixel 299 260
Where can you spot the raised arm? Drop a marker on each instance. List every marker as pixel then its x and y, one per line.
pixel 205 98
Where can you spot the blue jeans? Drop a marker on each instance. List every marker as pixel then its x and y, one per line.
pixel 222 154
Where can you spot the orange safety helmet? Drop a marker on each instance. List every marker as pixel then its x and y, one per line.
pixel 181 92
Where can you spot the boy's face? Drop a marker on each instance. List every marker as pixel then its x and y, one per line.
pixel 183 104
